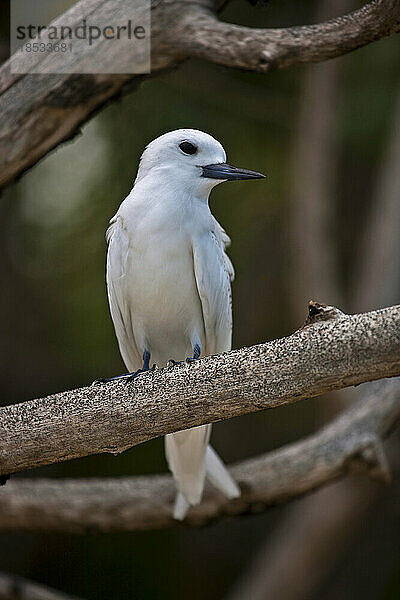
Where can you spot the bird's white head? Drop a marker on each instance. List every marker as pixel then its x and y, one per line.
pixel 192 158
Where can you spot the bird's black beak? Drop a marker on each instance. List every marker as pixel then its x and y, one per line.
pixel 226 172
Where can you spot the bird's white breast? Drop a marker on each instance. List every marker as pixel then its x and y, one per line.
pixel 156 274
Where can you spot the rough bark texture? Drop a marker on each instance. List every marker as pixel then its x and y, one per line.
pixel 38 112
pixel 268 49
pixel 351 441
pixel 332 351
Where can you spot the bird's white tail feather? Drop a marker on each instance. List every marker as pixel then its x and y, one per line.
pixel 191 459
pixel 218 475
pixel 185 452
pixel 181 507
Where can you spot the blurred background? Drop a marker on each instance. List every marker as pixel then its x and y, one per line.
pixel 324 225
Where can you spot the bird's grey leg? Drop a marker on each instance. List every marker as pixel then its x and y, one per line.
pixel 130 376
pixel 146 367
pixel 196 355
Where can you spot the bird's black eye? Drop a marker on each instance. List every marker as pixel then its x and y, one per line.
pixel 188 147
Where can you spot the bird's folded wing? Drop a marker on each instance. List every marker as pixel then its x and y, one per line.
pixel 118 248
pixel 226 242
pixel 213 272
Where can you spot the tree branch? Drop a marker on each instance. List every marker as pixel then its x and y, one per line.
pixel 269 49
pixel 38 112
pixel 332 351
pixel 351 441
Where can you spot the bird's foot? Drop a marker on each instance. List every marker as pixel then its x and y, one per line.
pixel 127 377
pixel 172 362
pixel 108 379
pixel 189 359
pixel 131 376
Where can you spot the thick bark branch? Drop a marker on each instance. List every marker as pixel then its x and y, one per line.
pixel 332 351
pixel 38 112
pixel 353 440
pixel 269 49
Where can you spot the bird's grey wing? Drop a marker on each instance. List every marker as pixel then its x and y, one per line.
pixel 117 255
pixel 226 242
pixel 214 272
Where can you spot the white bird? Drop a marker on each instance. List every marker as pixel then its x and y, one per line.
pixel 169 283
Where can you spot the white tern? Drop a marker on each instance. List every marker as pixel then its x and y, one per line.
pixel 169 283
